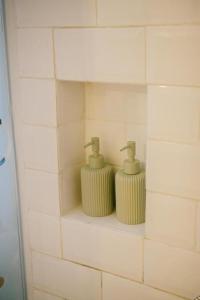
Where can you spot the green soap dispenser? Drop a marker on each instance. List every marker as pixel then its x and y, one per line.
pixel 130 189
pixel 97 184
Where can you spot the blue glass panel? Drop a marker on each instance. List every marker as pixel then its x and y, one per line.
pixel 10 254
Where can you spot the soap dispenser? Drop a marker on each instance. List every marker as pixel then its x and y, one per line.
pixel 130 189
pixel 97 184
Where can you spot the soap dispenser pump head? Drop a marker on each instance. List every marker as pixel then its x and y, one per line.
pixel 95 145
pixel 96 160
pixel 131 165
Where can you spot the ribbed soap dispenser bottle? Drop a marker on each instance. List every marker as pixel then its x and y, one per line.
pixel 97 184
pixel 130 189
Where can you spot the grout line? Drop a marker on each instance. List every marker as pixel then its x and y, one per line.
pixel 144 84
pixel 58 172
pixel 165 84
pixel 101 285
pixel 35 77
pixel 145 54
pixel 43 290
pixel 165 291
pixel 171 194
pixel 194 24
pixel 196 229
pixel 54 55
pixel 97 18
pixel 186 143
pixel 171 245
pixel 61 238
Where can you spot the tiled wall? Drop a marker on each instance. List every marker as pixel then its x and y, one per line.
pixel 89 66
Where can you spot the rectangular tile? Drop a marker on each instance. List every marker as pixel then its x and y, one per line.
pixel 71 140
pixel 173 55
pixel 103 54
pixel 140 12
pixel 50 13
pixel 177 270
pixel 70 101
pixel 65 279
pixel 119 288
pixel 105 244
pixel 173 169
pixel 171 220
pixel 44 233
pixel 35 50
pixel 173 113
pixel 38 102
pixel 70 188
pixel 42 191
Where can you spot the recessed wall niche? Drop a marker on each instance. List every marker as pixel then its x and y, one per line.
pixel 114 112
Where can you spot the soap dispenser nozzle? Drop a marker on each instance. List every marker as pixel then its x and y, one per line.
pixel 96 160
pixel 95 145
pixel 131 165
pixel 131 150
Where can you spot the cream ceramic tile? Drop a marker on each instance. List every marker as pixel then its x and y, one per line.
pixel 102 246
pixel 173 113
pixel 51 13
pixel 137 133
pixel 177 270
pixel 38 101
pixel 112 138
pixel 103 54
pixel 121 12
pixel 35 50
pixel 71 140
pixel 42 192
pixel 171 220
pixel 173 55
pixel 136 105
pixel 39 295
pixel 40 148
pixel 70 101
pixel 117 288
pixel 137 12
pixel 70 188
pixel 44 233
pixel 104 102
pixel 172 11
pixel 174 169
pixel 116 102
pixel 66 279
